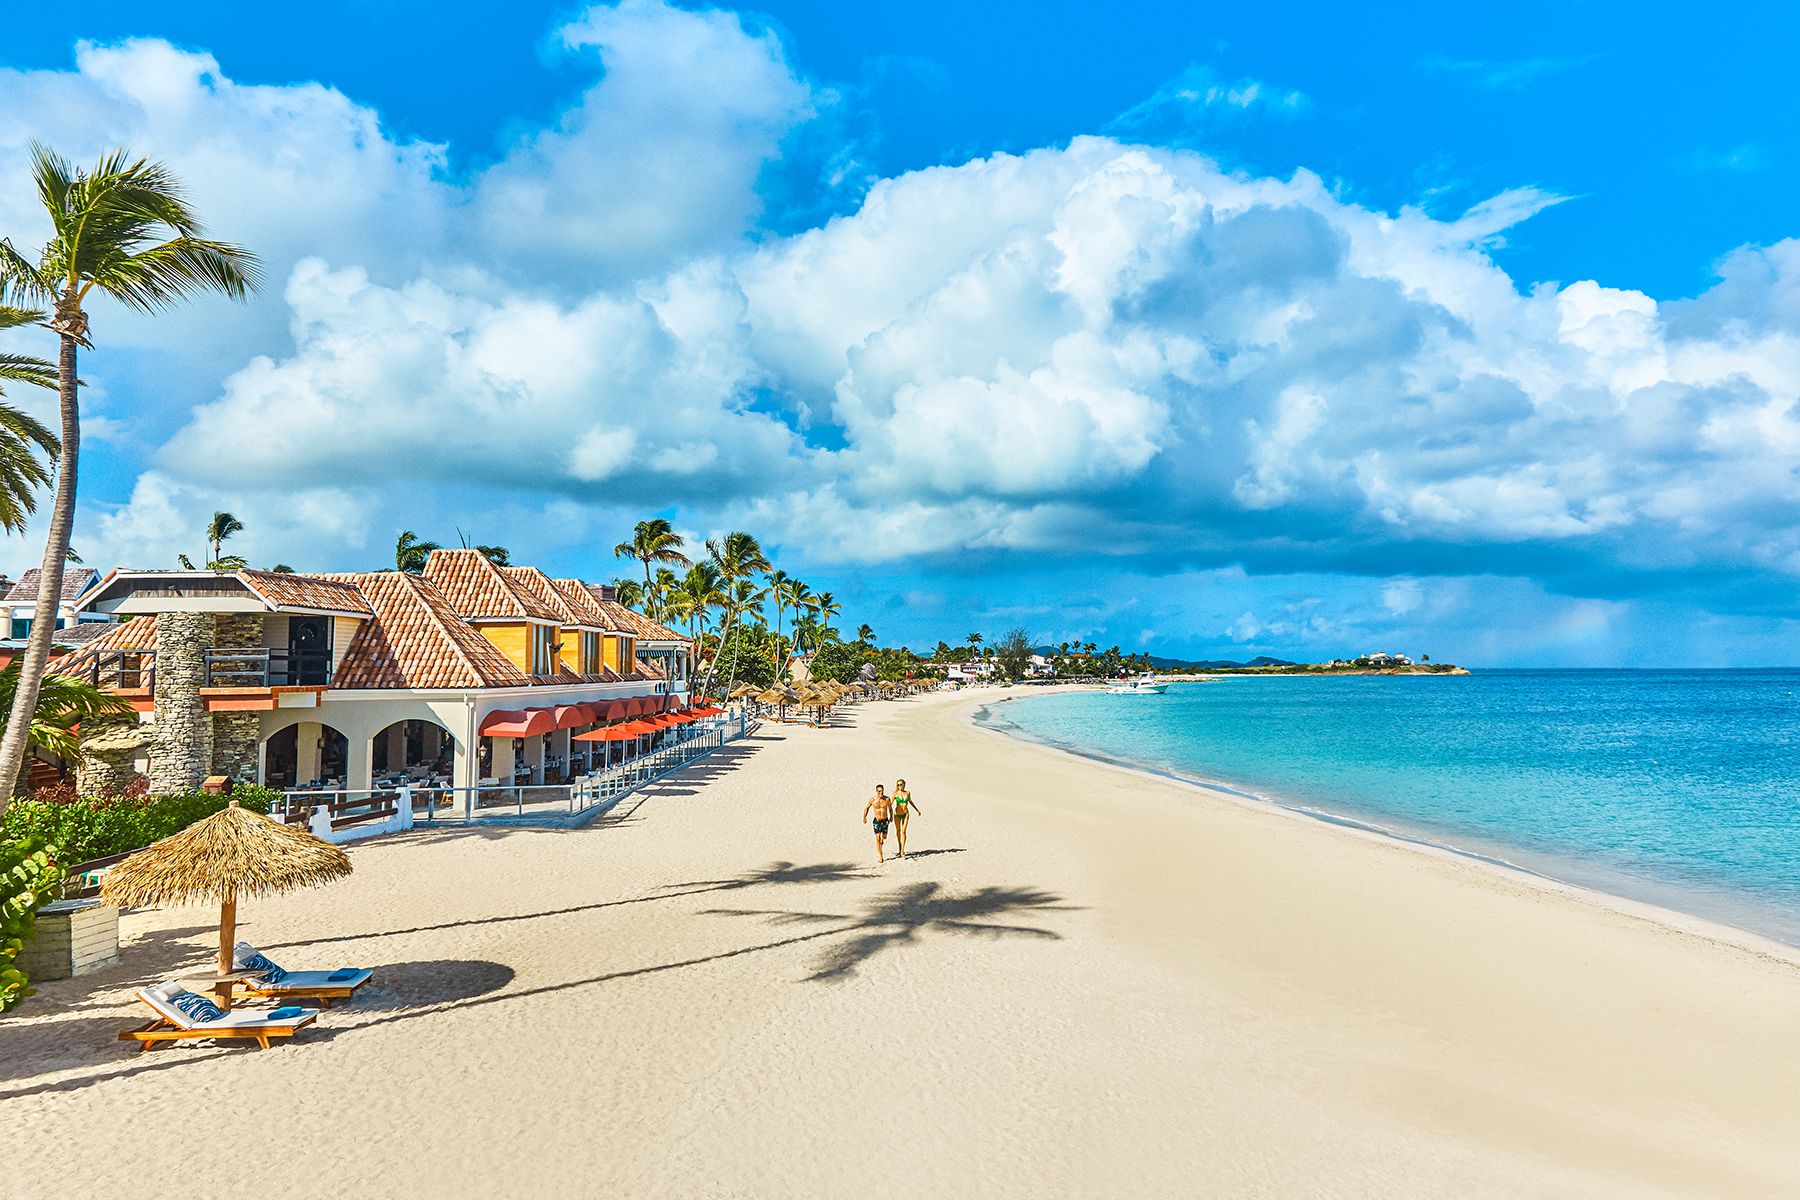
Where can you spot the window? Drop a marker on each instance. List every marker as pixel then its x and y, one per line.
pixel 21 627
pixel 543 659
pixel 590 654
pixel 628 660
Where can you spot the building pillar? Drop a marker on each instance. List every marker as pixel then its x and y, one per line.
pixel 396 746
pixel 560 743
pixel 306 752
pixel 506 758
pixel 534 757
pixel 359 763
pixel 182 751
pixel 431 741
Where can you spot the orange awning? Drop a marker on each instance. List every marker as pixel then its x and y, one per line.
pixel 518 722
pixel 571 716
pixel 616 733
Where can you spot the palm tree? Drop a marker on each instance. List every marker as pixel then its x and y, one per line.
pixel 22 472
pixel 742 597
pixel 974 640
pixel 827 606
pixel 222 526
pixel 778 585
pixel 64 702
pixel 500 556
pixel 653 541
pixel 628 592
pixel 865 633
pixel 738 557
pixel 410 553
pixel 656 606
pixel 124 229
pixel 700 591
pixel 281 569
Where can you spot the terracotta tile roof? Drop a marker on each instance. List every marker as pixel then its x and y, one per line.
pixel 626 621
pixel 478 591
pixel 75 581
pixel 581 603
pixel 305 591
pixel 542 588
pixel 417 640
pixel 139 633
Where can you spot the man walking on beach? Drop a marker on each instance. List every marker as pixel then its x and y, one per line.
pixel 883 809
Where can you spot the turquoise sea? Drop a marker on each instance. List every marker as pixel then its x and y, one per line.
pixel 1677 787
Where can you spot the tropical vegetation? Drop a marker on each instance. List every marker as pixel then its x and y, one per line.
pixel 84 828
pixel 63 704
pixel 124 230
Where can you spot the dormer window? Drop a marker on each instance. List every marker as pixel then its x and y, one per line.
pixel 543 652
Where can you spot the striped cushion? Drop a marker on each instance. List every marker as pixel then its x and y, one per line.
pixel 260 962
pixel 197 1007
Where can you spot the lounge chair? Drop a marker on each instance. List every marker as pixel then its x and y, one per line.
pixel 277 983
pixel 183 1015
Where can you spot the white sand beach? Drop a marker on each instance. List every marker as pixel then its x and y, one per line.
pixel 1087 982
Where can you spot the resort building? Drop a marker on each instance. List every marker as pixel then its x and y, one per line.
pixel 20 601
pixel 464 674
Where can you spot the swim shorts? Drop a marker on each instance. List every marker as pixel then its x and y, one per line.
pixel 881 824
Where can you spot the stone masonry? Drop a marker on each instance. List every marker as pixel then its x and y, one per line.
pixel 182 753
pixel 235 735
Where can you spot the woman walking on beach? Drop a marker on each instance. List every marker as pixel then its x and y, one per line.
pixel 883 809
pixel 904 807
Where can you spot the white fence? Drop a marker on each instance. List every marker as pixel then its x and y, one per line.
pixel 342 816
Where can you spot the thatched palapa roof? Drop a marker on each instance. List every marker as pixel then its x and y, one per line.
pixel 234 852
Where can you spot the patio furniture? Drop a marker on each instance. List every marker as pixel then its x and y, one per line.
pixel 267 979
pixel 182 1015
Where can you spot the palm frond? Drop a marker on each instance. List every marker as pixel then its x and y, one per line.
pixel 158 277
pixel 20 279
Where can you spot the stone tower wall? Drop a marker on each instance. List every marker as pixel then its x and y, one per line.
pixel 182 753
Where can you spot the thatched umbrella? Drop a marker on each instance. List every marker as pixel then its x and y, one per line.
pixel 234 852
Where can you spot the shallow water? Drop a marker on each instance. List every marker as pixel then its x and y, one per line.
pixel 1677 787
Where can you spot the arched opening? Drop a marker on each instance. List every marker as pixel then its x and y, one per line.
pixel 414 752
pixel 306 754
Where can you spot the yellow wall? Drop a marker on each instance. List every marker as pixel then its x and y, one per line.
pixel 609 651
pixel 512 640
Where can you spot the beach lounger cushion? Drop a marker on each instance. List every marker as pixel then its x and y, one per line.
pixel 275 980
pixel 246 957
pixel 175 1004
pixel 303 981
pixel 198 1008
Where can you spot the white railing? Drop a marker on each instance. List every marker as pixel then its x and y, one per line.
pixel 356 813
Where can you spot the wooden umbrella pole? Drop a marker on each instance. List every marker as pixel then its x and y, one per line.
pixel 227 939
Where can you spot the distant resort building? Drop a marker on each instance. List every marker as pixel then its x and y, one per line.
pixel 74 622
pixel 1383 659
pixel 466 672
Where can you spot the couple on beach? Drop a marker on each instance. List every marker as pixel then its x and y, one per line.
pixel 897 809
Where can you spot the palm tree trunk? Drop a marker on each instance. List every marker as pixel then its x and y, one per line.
pixel 50 578
pixel 712 669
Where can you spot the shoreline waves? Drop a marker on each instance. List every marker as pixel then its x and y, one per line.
pixel 1717 911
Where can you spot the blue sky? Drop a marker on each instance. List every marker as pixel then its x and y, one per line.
pixel 1218 331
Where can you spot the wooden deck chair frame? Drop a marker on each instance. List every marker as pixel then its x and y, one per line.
pixel 160 1030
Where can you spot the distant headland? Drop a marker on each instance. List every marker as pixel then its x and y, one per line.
pixel 1379 663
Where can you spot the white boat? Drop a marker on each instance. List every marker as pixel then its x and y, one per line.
pixel 1143 685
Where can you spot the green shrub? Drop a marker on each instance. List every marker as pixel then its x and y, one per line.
pixel 95 828
pixel 28 877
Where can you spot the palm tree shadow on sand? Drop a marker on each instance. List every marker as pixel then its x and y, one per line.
pixel 899 919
